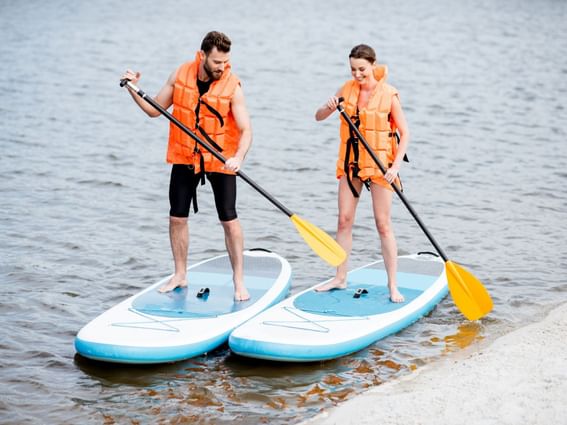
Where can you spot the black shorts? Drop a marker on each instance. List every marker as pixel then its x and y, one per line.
pixel 183 190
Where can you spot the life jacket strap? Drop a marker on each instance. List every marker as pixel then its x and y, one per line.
pixel 213 111
pixel 202 131
pixel 351 167
pixel 208 138
pixel 201 176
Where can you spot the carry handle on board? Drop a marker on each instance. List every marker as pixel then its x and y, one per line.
pixel 319 241
pixel 468 293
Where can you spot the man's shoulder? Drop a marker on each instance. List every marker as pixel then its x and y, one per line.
pixel 232 81
pixel 183 73
pixel 185 65
pixel 232 75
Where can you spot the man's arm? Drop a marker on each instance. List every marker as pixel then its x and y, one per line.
pixel 242 119
pixel 164 97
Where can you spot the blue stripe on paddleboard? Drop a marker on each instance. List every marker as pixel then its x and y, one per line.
pixel 302 353
pixel 146 355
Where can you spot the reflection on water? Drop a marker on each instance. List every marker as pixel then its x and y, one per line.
pixel 467 334
pixel 216 384
pixel 83 187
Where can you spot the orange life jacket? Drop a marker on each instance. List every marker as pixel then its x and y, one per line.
pixel 376 126
pixel 208 116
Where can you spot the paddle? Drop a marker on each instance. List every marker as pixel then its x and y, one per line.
pixel 319 241
pixel 468 293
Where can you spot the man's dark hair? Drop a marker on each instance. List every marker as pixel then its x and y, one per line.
pixel 216 39
pixel 363 51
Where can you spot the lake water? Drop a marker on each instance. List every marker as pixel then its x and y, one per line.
pixel 83 186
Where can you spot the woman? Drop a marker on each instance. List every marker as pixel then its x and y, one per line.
pixel 374 107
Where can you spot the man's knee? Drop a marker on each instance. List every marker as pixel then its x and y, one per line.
pixel 231 226
pixel 177 221
pixel 227 214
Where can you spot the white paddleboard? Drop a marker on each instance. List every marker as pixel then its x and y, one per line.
pixel 312 326
pixel 151 327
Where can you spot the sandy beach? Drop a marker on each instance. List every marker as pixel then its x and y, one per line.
pixel 521 378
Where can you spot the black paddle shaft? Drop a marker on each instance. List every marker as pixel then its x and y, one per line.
pixel 383 170
pixel 217 155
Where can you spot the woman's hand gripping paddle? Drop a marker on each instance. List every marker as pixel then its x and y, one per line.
pixel 319 241
pixel 469 295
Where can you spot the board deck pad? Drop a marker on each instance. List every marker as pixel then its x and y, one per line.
pixel 341 302
pixel 183 302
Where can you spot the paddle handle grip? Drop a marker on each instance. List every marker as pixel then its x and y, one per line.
pixel 400 194
pixel 199 141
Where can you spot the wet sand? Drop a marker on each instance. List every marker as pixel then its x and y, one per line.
pixel 520 378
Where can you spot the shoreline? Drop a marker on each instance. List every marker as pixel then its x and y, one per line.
pixel 521 377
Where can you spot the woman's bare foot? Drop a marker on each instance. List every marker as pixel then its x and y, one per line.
pixel 241 294
pixel 174 282
pixel 336 283
pixel 395 295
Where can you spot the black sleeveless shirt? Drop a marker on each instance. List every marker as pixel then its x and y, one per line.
pixel 203 86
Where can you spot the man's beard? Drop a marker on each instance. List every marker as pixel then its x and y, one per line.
pixel 210 73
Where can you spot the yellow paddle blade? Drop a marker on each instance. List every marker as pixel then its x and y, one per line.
pixel 469 295
pixel 320 242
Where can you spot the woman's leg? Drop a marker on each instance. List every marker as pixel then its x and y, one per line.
pixel 347 211
pixel 382 207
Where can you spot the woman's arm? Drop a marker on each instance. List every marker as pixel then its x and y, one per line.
pixel 328 108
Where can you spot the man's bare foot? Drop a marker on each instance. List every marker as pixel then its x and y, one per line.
pixel 174 282
pixel 241 294
pixel 336 283
pixel 395 295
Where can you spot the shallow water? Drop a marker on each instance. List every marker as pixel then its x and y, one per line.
pixel 83 186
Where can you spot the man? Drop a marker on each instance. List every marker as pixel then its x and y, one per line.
pixel 208 99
